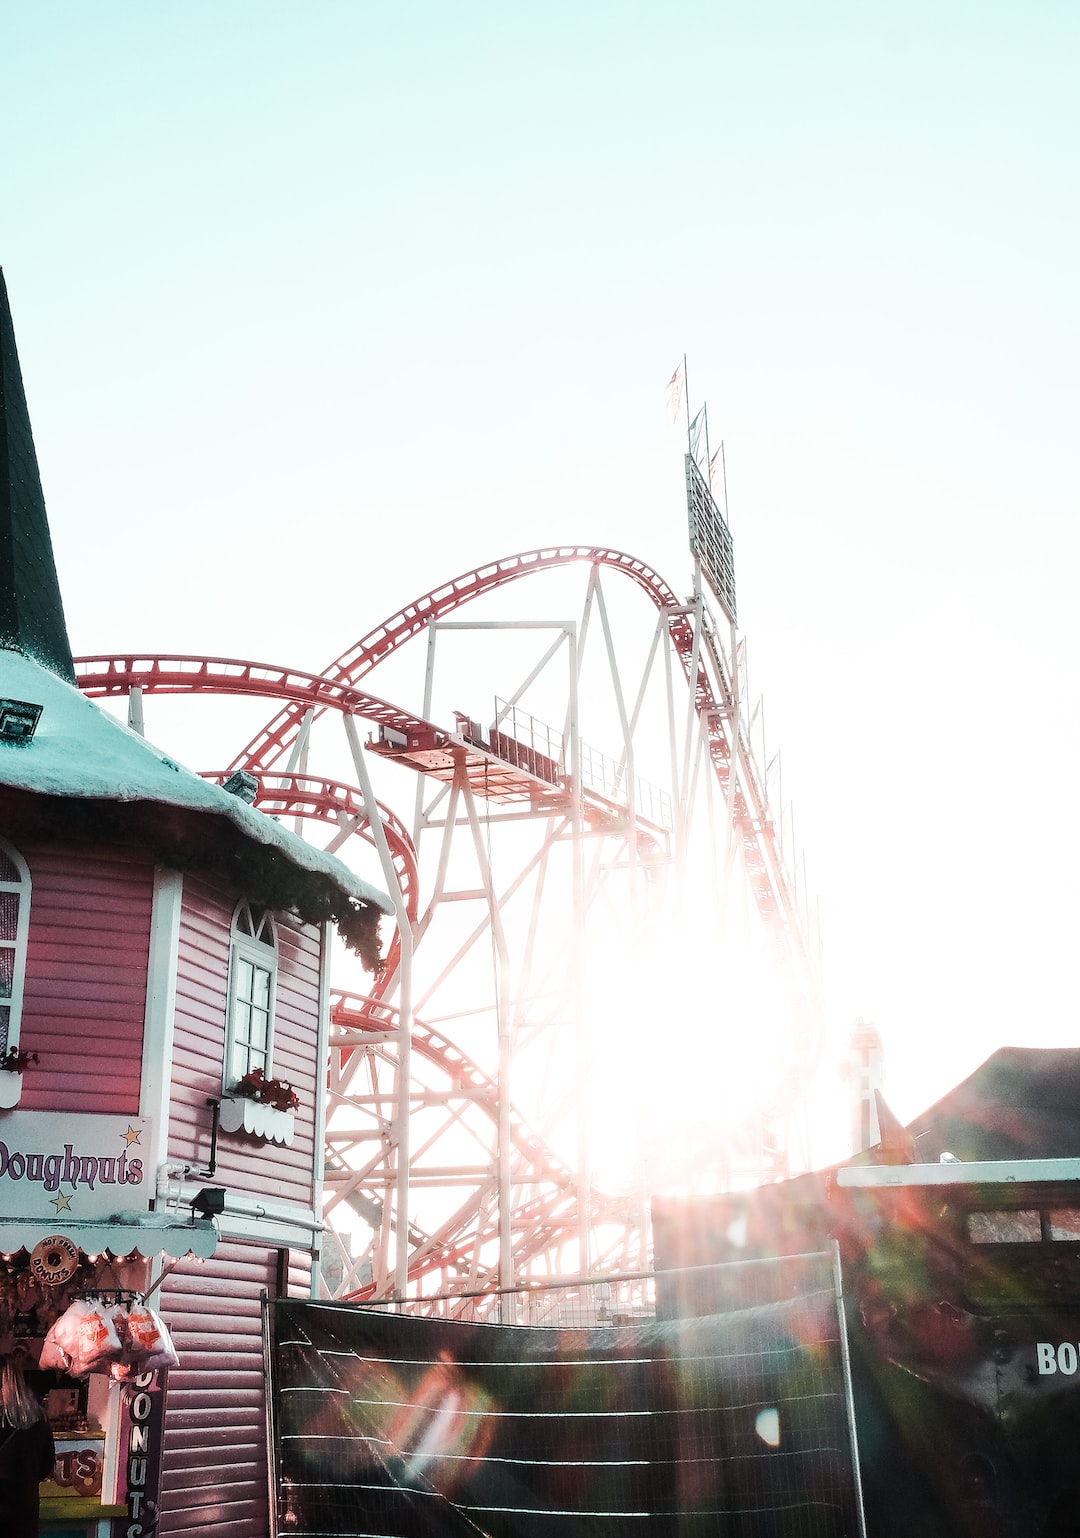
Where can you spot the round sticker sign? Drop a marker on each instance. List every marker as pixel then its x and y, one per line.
pixel 54 1260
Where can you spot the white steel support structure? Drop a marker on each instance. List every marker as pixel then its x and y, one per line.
pixel 545 895
pixel 402 1117
pixel 482 817
pixel 598 854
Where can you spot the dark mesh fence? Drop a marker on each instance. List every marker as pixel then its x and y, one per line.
pixel 733 1423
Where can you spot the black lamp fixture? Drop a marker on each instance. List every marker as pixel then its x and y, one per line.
pixel 209 1202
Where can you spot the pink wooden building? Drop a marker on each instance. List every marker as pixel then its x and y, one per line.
pixel 160 941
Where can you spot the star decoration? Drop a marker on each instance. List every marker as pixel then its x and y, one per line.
pixel 131 1136
pixel 60 1202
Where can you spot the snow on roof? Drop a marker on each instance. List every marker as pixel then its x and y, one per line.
pixel 80 751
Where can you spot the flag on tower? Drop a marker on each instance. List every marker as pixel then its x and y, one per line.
pixel 675 391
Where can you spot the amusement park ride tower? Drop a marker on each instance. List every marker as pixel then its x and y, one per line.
pixel 579 951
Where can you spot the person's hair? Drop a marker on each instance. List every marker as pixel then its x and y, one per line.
pixel 19 1405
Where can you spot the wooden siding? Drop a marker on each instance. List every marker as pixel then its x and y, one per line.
pixel 214 1468
pixel 245 1164
pixel 214 1475
pixel 299 1274
pixel 214 1471
pixel 86 963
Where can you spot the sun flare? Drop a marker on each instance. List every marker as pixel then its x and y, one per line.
pixel 689 1039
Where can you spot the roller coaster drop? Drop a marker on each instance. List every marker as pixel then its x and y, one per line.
pixel 542 895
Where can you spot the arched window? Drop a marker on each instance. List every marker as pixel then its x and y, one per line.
pixel 252 975
pixel 14 929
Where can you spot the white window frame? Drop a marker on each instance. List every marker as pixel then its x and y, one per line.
pixel 262 954
pixel 14 1004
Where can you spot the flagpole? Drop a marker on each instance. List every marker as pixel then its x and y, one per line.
pixel 686 393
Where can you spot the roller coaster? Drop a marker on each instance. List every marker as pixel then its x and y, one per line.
pixel 568 932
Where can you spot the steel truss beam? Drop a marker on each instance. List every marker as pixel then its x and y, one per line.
pixel 511 1206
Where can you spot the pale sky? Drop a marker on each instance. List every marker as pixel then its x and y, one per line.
pixel 321 305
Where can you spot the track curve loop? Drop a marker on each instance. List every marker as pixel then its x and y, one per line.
pixel 266 746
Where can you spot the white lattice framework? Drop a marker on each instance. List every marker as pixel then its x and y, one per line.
pixel 592 853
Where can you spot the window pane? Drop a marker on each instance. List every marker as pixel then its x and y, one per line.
pixel 254 922
pixel 242 1021
pixel 7 970
pixel 260 1029
pixel 245 973
pixel 244 1058
pixel 8 872
pixel 260 993
pixel 1004 1227
pixel 1065 1223
pixel 9 915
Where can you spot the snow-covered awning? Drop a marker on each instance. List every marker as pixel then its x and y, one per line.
pixel 149 1233
pixel 79 751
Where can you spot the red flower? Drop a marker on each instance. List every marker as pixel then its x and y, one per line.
pixel 14 1060
pixel 276 1092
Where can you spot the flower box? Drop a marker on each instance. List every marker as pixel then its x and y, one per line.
pixel 241 1114
pixel 12 1062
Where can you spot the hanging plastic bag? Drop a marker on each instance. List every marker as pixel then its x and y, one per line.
pixel 145 1341
pixel 83 1340
pixel 53 1353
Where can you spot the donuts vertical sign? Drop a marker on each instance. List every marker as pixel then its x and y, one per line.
pixel 141 1425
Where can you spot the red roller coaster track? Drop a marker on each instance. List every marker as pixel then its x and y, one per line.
pixel 334 688
pixel 304 695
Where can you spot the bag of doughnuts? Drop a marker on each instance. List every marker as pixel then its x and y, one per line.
pixel 83 1340
pixel 145 1341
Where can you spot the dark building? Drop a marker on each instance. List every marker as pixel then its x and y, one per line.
pixel 958 1239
